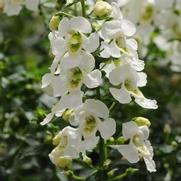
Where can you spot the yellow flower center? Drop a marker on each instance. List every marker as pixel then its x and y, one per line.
pixel 75 76
pixel 90 125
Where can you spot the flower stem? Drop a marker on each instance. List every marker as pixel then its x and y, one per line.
pixel 83 8
pixel 103 157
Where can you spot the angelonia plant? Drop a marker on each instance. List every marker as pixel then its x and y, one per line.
pixel 91 50
pixel 94 45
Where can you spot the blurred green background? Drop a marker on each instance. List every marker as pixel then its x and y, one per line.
pixel 25 144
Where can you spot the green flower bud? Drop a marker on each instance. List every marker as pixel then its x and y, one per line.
pixel 167 129
pixel 54 22
pixel 56 140
pixel 102 9
pixel 121 140
pixel 141 121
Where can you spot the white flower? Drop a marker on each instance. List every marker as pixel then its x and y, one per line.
pixel 71 37
pixel 70 101
pixel 126 81
pixel 117 28
pixel 91 117
pixel 138 147
pixel 66 142
pixel 74 71
pixel 13 7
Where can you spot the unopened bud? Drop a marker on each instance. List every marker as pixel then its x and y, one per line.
pixel 1 4
pixel 121 140
pixel 102 9
pixel 141 121
pixel 167 129
pixel 56 140
pixel 54 22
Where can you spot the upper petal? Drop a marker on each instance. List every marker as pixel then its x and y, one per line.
pixel 80 24
pixel 93 79
pixel 96 107
pixel 107 128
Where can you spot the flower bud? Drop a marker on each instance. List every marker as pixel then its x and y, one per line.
pixel 64 162
pixel 54 22
pixel 56 140
pixel 102 9
pixel 167 129
pixel 141 121
pixel 1 4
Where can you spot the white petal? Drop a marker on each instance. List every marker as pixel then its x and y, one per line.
pixel 145 130
pixel 87 63
pixel 128 28
pixel 72 100
pixel 150 164
pixel 110 30
pixel 32 4
pixel 70 61
pixel 89 143
pixel 146 103
pixel 59 86
pixel 130 129
pixel 114 50
pixel 142 81
pixel 48 118
pixel 105 52
pixel 64 26
pixel 80 24
pixel 120 95
pixel 132 43
pixel 96 107
pixel 11 9
pixel 59 46
pixel 107 128
pixel 129 152
pixel 46 80
pixel 118 75
pixel 91 43
pixel 93 79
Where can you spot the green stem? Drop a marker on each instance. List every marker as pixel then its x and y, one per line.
pixel 83 8
pixel 70 174
pixel 103 157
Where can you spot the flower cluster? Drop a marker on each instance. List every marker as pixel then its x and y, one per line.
pixel 13 7
pixel 159 21
pixel 76 43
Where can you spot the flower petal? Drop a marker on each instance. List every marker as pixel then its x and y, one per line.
pixel 130 129
pixel 146 103
pixel 129 152
pixel 93 79
pixel 80 24
pixel 46 80
pixel 150 164
pixel 96 107
pixel 127 27
pixel 32 5
pixel 91 43
pixel 87 63
pixel 64 27
pixel 120 95
pixel 48 118
pixel 107 128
